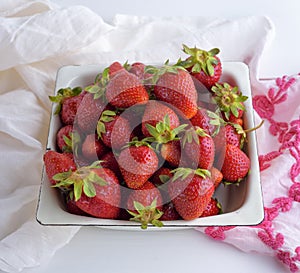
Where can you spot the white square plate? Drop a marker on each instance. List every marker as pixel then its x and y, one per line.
pixel 242 205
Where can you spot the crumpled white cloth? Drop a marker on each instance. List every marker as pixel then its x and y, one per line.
pixel 36 38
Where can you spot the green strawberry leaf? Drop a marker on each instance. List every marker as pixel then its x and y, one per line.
pixel 152 130
pixel 78 190
pixel 179 129
pixel 214 52
pixel 181 173
pixel 88 188
pixel 96 164
pixel 97 179
pixel 62 176
pixel 210 69
pixel 100 129
pixel 203 173
pixel 93 89
pixel 157 223
pixel 234 110
pixel 196 68
pixel 164 178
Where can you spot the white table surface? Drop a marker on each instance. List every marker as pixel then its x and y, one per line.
pixel 102 250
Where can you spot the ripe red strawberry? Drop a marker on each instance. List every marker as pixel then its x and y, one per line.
pixel 88 113
pixel 216 176
pixel 204 65
pixel 93 148
pixel 96 190
pixel 155 112
pixel 145 204
pixel 238 121
pixel 57 163
pixel 145 195
pixel 114 130
pixel 220 147
pixel 212 208
pixel 236 164
pixel 68 139
pixel 104 200
pixel 114 68
pixel 138 69
pixel 232 136
pixel 109 161
pixel 229 99
pixel 72 207
pixel 160 179
pixel 125 90
pixel 69 108
pixel 176 87
pixel 199 147
pixel 202 120
pixel 137 165
pixel 171 152
pixel 161 176
pixel 169 213
pixel 62 95
pixel 190 191
pixel 63 134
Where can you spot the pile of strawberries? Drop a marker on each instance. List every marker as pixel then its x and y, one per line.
pixel 149 144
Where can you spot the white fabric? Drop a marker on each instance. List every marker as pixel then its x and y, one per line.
pixel 36 38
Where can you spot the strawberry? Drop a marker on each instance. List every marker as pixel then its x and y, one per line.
pixel 234 120
pixel 199 147
pixel 220 147
pixel 212 208
pixel 72 207
pixel 229 99
pixel 69 108
pixel 145 195
pixel 68 140
pixel 62 95
pixel 202 120
pixel 63 138
pixel 161 176
pixel 190 191
pixel 236 164
pixel 174 85
pixel 155 112
pixel 137 165
pixel 145 204
pixel 169 213
pixel 232 136
pixel 114 130
pixel 109 161
pixel 93 148
pixel 160 179
pixel 88 113
pixel 166 139
pixel 138 69
pixel 216 176
pixel 96 190
pixel 57 163
pixel 171 152
pixel 125 90
pixel 114 68
pixel 105 200
pixel 204 65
